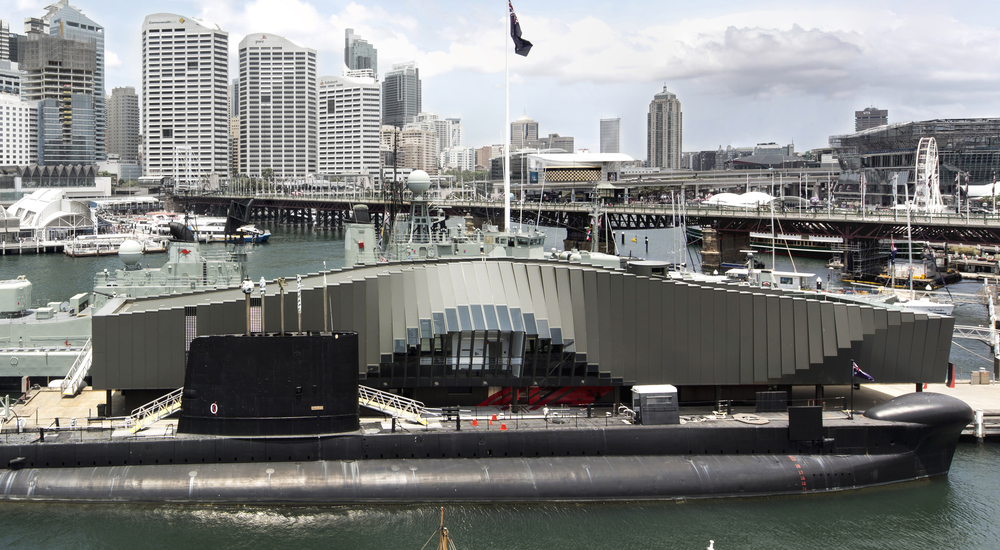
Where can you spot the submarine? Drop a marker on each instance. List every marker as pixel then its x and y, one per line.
pixel 275 419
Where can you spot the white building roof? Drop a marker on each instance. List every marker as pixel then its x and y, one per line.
pixel 577 159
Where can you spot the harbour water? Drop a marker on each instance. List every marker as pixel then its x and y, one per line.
pixel 957 512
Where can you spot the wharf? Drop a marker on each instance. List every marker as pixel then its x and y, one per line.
pixel 30 247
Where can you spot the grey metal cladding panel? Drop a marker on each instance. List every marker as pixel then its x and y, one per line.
pixel 801 315
pixel 537 291
pixel 359 296
pixel 936 370
pixel 447 288
pixel 125 342
pixel 629 327
pixel 478 318
pixel 719 324
pixel 774 337
pixel 174 376
pixel 494 278
pixel 760 322
pixel 731 355
pixel 398 319
pixel 523 288
pixel 384 314
pixel 829 327
pixel 372 355
pixel 815 332
pixel 578 310
pixel 881 320
pixel 490 311
pixel 551 292
pixel 843 331
pixel 704 368
pixel 868 333
pixel 141 375
pixel 854 322
pixel 508 282
pixel 155 364
pixel 312 308
pixel 564 291
pixel 543 328
pixel 410 300
pixel 655 335
pixel 464 318
pixel 517 320
pixel 937 339
pixel 503 318
pixel 746 338
pixel 104 330
pixel 591 311
pixel 682 324
pixel 603 314
pixel 920 336
pixel 617 329
pixel 424 310
pixel 887 368
pixel 904 359
pixel 787 319
pixel 436 300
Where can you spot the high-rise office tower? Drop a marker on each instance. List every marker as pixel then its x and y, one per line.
pixel 185 72
pixel 57 74
pixel 10 78
pixel 401 99
pixel 277 107
pixel 8 42
pixel 611 129
pixel 523 131
pixel 19 117
pixel 870 117
pixel 358 53
pixel 349 124
pixel 123 124
pixel 66 21
pixel 664 130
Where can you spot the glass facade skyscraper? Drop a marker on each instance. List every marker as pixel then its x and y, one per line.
pixel 401 99
pixel 359 54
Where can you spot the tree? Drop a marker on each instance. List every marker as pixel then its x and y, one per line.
pixel 267 174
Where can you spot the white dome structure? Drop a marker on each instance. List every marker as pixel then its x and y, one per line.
pixel 418 182
pixel 48 211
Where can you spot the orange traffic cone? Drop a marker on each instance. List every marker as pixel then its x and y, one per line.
pixel 494 416
pixel 475 422
pixel 503 427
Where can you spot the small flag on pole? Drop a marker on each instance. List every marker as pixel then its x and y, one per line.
pixel 521 46
pixel 858 373
pixel 892 254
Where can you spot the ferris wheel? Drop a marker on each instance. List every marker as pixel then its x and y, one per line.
pixel 927 190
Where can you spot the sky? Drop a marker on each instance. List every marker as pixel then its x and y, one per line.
pixel 745 72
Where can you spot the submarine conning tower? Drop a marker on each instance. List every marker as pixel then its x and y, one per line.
pixel 291 385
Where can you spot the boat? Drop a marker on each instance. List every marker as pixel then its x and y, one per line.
pixel 250 234
pixel 247 436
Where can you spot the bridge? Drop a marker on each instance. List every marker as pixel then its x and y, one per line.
pixel 857 229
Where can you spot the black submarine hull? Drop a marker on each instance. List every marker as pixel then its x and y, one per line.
pixel 467 480
pixel 262 426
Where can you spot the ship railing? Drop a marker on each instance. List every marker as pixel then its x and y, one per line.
pixel 390 403
pixel 153 411
pixel 73 383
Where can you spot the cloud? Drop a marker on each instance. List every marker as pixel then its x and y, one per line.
pixel 111 59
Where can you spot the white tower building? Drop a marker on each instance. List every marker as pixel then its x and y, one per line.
pixel 185 72
pixel 277 107
pixel 349 123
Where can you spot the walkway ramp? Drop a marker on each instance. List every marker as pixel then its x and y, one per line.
pixel 73 383
pixel 392 404
pixel 148 414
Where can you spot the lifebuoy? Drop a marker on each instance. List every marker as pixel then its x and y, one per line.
pixel 214 408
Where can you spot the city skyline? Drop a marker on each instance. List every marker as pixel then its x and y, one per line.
pixel 773 72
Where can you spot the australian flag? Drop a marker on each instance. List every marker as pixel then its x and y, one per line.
pixel 858 373
pixel 521 46
pixel 892 255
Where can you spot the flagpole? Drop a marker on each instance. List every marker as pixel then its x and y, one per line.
pixel 506 126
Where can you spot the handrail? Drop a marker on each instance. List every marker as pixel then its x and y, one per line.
pixel 70 385
pixel 155 410
pixel 397 405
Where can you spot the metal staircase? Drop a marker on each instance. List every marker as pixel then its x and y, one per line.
pixel 73 383
pixel 392 404
pixel 149 413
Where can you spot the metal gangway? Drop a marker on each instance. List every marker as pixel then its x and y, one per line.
pixel 392 404
pixel 73 383
pixel 153 411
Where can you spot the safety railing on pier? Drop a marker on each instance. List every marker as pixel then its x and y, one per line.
pixel 73 383
pixel 392 404
pixel 149 413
